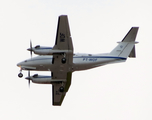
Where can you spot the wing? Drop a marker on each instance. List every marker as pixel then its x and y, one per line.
pixel 58 96
pixel 63 36
pixel 62 62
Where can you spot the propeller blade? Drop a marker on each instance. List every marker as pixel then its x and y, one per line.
pixel 29 78
pixel 31 48
pixel 29 83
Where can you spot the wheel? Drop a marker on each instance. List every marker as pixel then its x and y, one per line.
pixel 63 60
pixel 61 89
pixel 20 75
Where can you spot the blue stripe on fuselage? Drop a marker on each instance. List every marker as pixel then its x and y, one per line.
pixel 86 57
pixel 100 57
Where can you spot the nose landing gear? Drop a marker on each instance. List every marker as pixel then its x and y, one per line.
pixel 20 75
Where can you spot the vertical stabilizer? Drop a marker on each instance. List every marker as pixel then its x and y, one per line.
pixel 126 48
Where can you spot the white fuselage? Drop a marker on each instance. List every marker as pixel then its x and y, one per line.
pixel 80 62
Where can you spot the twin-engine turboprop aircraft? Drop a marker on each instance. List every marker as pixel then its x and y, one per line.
pixel 61 61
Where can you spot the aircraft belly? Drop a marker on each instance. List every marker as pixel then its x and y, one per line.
pixel 43 65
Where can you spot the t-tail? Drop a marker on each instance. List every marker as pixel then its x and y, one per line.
pixel 126 48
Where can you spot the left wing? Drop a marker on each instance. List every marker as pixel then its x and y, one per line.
pixel 62 61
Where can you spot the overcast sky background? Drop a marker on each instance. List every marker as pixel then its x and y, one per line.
pixel 113 92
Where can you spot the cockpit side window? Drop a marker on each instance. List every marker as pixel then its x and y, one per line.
pixel 38 46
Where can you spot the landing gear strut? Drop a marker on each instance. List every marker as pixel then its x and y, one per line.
pixel 20 75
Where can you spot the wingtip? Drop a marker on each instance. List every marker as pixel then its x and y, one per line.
pixel 135 27
pixel 63 15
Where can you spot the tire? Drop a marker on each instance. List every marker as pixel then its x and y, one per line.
pixel 63 60
pixel 61 89
pixel 20 75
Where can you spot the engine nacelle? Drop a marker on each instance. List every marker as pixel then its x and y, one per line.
pixel 40 50
pixel 39 79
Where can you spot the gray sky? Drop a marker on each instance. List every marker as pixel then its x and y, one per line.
pixel 113 92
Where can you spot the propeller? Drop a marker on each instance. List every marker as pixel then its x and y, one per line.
pixel 30 49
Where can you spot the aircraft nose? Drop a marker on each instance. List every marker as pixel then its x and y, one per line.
pixel 18 64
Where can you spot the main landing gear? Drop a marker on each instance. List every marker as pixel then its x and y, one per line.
pixel 61 89
pixel 63 60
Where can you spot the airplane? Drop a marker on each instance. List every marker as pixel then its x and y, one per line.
pixel 61 62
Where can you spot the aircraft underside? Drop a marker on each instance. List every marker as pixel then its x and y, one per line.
pixel 61 61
